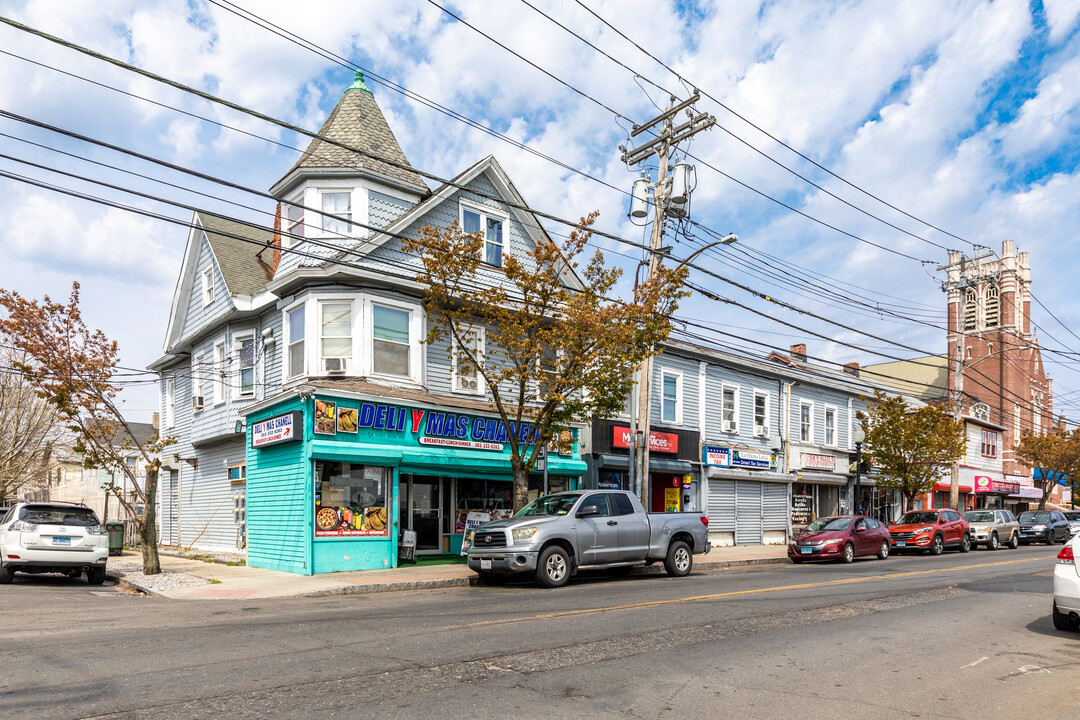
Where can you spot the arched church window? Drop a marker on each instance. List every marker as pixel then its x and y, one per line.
pixel 991 306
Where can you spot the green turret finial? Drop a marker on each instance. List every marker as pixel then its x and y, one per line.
pixel 358 83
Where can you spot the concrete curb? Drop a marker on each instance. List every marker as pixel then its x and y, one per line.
pixel 439 583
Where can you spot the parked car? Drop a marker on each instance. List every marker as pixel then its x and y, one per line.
pixel 992 528
pixel 1067 587
pixel 930 531
pixel 1073 516
pixel 556 535
pixel 53 537
pixel 1048 526
pixel 840 537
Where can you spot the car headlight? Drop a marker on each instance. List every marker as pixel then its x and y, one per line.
pixel 1038 528
pixel 832 542
pixel 980 528
pixel 923 530
pixel 524 533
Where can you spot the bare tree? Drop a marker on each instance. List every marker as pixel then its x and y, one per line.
pixel 29 429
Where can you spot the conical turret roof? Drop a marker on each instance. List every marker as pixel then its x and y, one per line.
pixel 357 122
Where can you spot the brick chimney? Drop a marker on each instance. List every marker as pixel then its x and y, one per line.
pixel 798 352
pixel 852 368
pixel 277 239
pixel 156 421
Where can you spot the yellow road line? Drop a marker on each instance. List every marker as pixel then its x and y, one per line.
pixel 734 593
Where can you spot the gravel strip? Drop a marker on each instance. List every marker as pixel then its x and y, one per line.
pixel 163 582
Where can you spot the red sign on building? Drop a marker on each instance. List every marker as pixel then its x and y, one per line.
pixel 658 441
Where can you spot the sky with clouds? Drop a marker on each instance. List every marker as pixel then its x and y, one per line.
pixel 945 125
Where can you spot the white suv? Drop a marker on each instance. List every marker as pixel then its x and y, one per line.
pixel 1067 587
pixel 41 537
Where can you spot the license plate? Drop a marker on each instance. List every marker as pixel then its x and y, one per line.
pixel 1023 534
pixel 485 564
pixel 61 541
pixel 900 543
pixel 805 551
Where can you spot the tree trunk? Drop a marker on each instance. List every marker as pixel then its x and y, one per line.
pixel 148 524
pixel 521 484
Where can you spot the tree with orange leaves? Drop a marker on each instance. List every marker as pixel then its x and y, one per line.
pixel 554 352
pixel 72 367
pixel 1056 454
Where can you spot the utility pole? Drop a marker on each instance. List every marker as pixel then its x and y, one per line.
pixel 660 146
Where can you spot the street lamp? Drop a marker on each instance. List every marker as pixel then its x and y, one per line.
pixel 860 438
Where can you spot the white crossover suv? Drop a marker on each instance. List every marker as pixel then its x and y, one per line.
pixel 1067 587
pixel 53 537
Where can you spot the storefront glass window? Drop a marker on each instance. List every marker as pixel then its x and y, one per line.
pixel 390 341
pixel 802 504
pixel 350 500
pixel 495 498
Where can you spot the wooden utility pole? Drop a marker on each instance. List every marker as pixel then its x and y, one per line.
pixel 660 146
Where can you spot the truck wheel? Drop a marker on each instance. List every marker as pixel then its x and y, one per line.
pixel 553 567
pixel 1014 542
pixel 679 559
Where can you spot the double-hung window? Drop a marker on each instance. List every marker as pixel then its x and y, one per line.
pixel 490 228
pixel 806 422
pixel 761 413
pixel 729 409
pixel 294 222
pixel 391 342
pixel 245 376
pixel 336 334
pixel 671 401
pixel 337 213
pixel 830 426
pixel 989 444
pixel 219 372
pixel 466 377
pixel 170 402
pixel 207 286
pixel 197 392
pixel 295 321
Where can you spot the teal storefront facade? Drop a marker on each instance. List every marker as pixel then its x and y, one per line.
pixel 333 479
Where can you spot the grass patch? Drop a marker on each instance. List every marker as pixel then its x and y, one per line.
pixel 424 560
pixel 215 582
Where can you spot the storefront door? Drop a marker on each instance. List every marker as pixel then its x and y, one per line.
pixel 425 513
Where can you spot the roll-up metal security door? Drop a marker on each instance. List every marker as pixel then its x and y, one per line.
pixel 749 521
pixel 721 510
pixel 774 505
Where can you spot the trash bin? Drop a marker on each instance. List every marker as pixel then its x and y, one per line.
pixel 407 546
pixel 116 537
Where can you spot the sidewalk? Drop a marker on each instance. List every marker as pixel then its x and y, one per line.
pixel 182 576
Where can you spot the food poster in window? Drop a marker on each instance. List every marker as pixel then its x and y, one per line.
pixel 350 500
pixel 347 420
pixel 325 416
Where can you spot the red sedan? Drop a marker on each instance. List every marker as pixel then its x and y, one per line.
pixel 840 537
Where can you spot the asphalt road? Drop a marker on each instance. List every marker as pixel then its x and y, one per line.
pixel 956 636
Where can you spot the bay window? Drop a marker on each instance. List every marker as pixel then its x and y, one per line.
pixel 337 213
pixel 335 338
pixel 295 334
pixel 391 343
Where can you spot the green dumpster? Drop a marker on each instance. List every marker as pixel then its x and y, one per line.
pixel 116 537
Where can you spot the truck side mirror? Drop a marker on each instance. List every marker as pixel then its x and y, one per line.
pixel 588 511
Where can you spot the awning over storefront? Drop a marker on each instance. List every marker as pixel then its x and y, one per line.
pixel 759 475
pixel 947 487
pixel 818 478
pixel 622 462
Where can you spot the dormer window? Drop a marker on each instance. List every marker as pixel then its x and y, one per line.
pixel 488 226
pixel 294 222
pixel 337 213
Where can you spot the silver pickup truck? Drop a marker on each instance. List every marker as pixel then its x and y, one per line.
pixel 556 535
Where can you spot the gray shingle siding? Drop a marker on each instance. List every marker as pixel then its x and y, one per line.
pixel 199 316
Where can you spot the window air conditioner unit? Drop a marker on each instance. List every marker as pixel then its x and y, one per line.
pixel 728 426
pixel 334 365
pixel 761 431
pixel 196 402
pixel 466 383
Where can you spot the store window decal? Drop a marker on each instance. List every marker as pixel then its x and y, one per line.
pixel 350 500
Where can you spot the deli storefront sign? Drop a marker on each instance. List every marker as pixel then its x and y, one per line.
pixel 658 441
pixel 279 429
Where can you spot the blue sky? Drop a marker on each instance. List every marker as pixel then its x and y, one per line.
pixel 961 114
